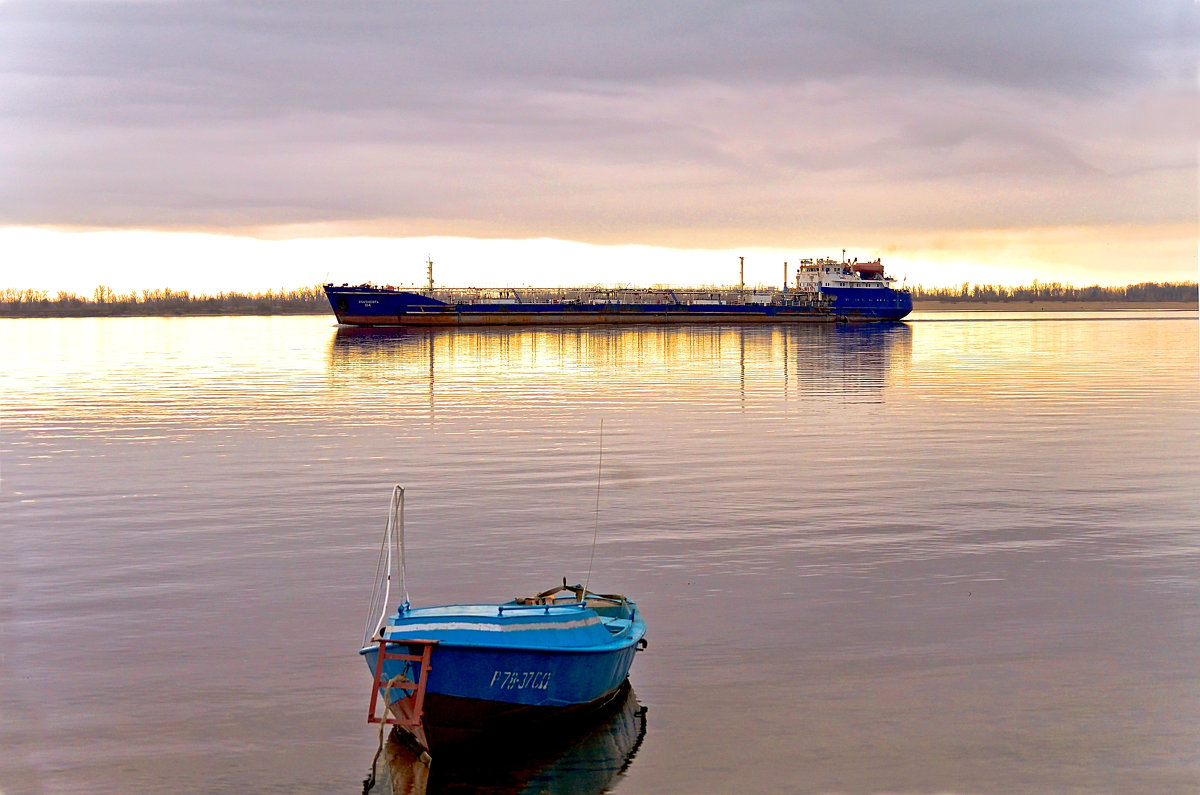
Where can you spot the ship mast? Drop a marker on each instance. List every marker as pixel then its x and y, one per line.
pixel 429 271
pixel 742 274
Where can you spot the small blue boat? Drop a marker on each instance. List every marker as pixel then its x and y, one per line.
pixel 450 673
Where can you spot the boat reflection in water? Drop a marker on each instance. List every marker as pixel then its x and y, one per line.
pixel 585 756
pixel 840 363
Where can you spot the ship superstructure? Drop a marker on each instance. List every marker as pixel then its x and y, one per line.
pixel 856 290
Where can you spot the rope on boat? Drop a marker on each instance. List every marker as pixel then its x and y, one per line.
pixel 390 568
pixel 398 679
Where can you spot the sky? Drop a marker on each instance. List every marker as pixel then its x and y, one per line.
pixel 244 145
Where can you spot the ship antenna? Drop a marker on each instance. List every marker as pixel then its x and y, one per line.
pixel 596 529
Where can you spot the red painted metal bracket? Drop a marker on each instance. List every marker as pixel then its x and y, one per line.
pixel 409 710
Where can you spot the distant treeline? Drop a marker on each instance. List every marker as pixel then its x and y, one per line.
pixel 104 302
pixel 311 300
pixel 1154 292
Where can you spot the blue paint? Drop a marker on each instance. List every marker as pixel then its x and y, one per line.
pixel 563 654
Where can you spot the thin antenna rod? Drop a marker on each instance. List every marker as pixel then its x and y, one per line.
pixel 596 529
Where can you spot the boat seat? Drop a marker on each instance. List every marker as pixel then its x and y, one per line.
pixel 617 625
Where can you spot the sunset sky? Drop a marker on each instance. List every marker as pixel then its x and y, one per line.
pixel 243 146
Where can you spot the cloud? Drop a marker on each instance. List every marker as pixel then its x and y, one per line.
pixel 673 124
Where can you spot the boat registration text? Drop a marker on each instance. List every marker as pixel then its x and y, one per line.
pixel 521 680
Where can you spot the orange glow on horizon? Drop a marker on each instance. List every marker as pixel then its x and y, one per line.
pixel 204 263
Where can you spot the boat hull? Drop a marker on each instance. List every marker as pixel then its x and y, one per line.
pixel 373 306
pixel 376 306
pixel 491 666
pixel 531 678
pixel 875 304
pixel 451 721
pixel 620 317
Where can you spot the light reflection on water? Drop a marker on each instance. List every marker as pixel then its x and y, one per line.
pixel 943 555
pixel 674 366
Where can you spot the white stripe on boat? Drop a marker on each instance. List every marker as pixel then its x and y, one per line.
pixel 452 625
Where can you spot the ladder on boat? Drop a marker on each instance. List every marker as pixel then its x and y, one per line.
pixel 408 710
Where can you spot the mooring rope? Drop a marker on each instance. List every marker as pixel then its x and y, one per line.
pixel 596 529
pixel 369 781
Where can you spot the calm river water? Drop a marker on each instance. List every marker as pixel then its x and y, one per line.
pixel 957 554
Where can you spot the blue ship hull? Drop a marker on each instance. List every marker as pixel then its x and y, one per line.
pixel 374 306
pixel 381 306
pixel 880 304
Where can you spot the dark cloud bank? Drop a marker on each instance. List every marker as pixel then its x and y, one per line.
pixel 605 122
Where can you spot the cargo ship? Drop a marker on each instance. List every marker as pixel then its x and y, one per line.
pixel 824 291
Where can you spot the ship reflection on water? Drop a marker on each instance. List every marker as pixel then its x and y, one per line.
pixel 843 363
pixel 588 756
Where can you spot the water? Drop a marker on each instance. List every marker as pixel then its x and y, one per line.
pixel 958 554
